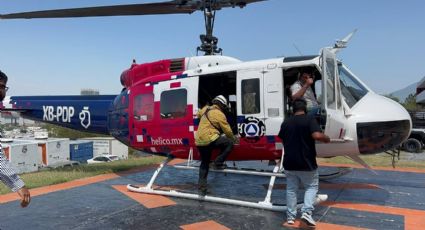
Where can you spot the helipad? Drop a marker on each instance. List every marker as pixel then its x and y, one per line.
pixel 393 199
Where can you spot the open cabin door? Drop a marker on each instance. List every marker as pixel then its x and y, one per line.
pixel 273 99
pixel 260 102
pixel 331 91
pixel 250 106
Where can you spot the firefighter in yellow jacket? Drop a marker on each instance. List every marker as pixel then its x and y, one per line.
pixel 212 125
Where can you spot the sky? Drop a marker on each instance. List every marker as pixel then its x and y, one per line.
pixel 62 56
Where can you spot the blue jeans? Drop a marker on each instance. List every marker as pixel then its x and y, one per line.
pixel 310 180
pixel 313 111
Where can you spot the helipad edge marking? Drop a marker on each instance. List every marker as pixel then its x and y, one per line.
pixel 206 225
pixel 413 219
pixel 58 187
pixel 147 200
pixel 71 184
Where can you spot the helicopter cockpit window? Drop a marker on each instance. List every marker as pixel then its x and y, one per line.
pixel 351 88
pixel 251 96
pixel 143 107
pixel 173 103
pixel 121 102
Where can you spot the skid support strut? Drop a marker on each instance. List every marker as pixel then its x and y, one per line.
pixel 266 204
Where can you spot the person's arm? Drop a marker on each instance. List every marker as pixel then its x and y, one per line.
pixel 319 136
pixel 201 112
pixel 300 93
pixel 9 177
pixel 25 195
pixel 299 90
pixel 224 125
pixel 316 132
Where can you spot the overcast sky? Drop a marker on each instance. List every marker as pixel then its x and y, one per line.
pixel 61 56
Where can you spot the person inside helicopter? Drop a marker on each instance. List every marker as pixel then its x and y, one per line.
pixel 302 88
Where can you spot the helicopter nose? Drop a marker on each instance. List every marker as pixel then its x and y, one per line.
pixel 382 124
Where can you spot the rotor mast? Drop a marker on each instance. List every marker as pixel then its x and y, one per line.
pixel 208 41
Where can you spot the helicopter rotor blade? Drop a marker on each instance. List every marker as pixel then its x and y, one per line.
pixel 170 7
pixel 116 10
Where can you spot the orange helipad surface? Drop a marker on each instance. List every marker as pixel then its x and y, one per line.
pixel 147 200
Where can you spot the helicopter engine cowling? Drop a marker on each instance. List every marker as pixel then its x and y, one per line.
pixel 139 72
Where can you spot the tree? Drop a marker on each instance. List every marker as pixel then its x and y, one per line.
pixel 390 96
pixel 410 102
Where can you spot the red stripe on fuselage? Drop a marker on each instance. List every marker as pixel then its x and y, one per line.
pixel 175 85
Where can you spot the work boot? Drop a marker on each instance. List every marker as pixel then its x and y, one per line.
pixel 219 166
pixel 202 190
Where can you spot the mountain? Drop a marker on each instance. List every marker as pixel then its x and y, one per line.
pixel 403 93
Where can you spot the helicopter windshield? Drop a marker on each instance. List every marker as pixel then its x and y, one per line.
pixel 351 88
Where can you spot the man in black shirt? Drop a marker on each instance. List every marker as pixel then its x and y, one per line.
pixel 299 134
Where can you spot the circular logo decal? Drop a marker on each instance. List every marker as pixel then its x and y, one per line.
pixel 252 129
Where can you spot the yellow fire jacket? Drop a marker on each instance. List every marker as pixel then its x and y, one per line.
pixel 208 131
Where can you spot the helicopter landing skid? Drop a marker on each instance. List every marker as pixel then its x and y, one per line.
pixel 265 204
pixel 323 175
pixel 234 170
pixel 340 171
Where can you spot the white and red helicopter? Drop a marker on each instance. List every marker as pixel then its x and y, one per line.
pixel 156 109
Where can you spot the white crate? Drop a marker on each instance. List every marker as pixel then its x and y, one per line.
pixel 52 150
pixel 23 155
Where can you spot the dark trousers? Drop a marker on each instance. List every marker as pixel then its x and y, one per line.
pixel 225 145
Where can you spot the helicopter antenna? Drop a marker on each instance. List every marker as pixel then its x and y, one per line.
pixel 299 51
pixel 208 41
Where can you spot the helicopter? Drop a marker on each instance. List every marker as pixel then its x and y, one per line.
pixel 156 110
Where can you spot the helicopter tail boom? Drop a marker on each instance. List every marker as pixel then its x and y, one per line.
pixel 83 113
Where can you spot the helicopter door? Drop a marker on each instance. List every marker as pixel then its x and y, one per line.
pixel 176 108
pixel 331 102
pixel 250 106
pixel 142 107
pixel 273 99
